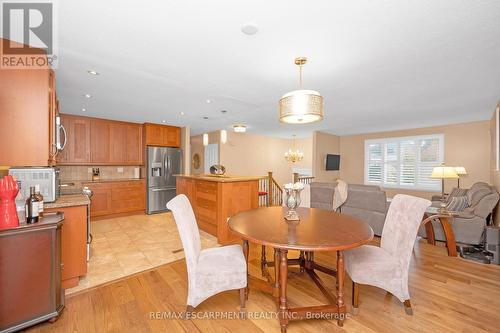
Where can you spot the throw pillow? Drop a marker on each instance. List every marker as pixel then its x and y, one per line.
pixel 456 192
pixel 457 204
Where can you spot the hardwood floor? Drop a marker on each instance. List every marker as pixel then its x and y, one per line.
pixel 448 295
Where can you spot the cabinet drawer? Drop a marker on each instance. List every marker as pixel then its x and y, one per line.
pixel 128 193
pixel 206 190
pixel 204 220
pixel 206 209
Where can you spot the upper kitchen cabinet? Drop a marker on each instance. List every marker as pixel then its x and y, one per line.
pixel 162 135
pixel 77 148
pixel 27 111
pixel 93 141
pixel 100 142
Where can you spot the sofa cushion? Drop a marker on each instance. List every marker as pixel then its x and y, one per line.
pixel 474 196
pixel 457 204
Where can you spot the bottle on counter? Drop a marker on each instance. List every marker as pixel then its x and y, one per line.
pixel 31 207
pixel 39 196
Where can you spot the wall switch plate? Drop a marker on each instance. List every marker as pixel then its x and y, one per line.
pixel 120 170
pixel 89 170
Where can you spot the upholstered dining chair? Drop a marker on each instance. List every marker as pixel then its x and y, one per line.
pixel 387 266
pixel 210 271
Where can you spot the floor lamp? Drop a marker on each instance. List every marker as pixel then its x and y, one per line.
pixel 443 172
pixel 460 172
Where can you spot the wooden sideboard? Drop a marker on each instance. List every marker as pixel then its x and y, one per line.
pixel 30 273
pixel 214 200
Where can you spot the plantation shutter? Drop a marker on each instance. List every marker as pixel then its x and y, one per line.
pixel 404 162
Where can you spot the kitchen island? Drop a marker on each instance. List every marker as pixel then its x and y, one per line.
pixel 214 199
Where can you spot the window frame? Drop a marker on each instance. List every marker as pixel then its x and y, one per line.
pixel 398 140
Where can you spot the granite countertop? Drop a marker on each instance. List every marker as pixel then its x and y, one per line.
pixel 68 200
pixel 221 179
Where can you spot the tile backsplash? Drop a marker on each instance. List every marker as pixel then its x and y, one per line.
pixel 75 173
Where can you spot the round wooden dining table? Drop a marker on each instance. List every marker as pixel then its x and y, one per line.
pixel 317 230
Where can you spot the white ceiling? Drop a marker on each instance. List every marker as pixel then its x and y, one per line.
pixel 380 65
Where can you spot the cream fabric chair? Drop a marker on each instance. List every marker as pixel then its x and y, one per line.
pixel 210 271
pixel 387 266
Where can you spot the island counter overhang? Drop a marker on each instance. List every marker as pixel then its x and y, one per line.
pixel 216 199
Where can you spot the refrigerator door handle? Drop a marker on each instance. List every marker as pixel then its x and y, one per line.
pixel 161 189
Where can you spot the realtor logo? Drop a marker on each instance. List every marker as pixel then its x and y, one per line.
pixel 28 35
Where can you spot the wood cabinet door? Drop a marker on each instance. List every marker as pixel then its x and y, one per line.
pixel 73 244
pixel 77 150
pixel 101 201
pixel 172 136
pixel 154 135
pixel 100 141
pixel 133 148
pixel 117 143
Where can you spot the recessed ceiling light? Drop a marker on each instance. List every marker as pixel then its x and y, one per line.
pixel 164 121
pixel 240 128
pixel 92 72
pixel 84 109
pixel 88 95
pixel 205 117
pixel 182 113
pixel 249 29
pixel 208 101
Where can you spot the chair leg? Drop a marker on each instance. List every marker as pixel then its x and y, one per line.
pixel 243 298
pixel 408 309
pixel 189 311
pixel 355 298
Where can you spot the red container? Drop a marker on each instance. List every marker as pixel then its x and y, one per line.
pixel 8 213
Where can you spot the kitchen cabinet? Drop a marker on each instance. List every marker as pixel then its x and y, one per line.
pixel 77 149
pixel 27 110
pixel 73 244
pixel 93 141
pixel 100 142
pixel 162 135
pixel 215 200
pixel 117 197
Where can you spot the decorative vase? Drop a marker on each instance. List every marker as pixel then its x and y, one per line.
pixel 292 201
pixel 8 213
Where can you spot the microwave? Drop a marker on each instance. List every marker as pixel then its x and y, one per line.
pixel 46 177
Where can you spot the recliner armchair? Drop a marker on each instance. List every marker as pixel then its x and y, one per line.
pixel 468 227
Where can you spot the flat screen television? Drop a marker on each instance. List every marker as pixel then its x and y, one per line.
pixel 332 162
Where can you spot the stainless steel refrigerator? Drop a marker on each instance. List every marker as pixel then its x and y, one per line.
pixel 163 164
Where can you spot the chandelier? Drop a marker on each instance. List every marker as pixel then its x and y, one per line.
pixel 301 106
pixel 295 155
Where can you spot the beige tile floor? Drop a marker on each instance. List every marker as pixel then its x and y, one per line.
pixel 127 245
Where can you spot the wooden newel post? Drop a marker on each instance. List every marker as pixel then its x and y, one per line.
pixel 270 188
pixel 295 177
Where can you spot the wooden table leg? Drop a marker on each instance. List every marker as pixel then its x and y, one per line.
pixel 276 286
pixel 340 287
pixel 429 230
pixel 263 260
pixel 449 235
pixel 245 252
pixel 301 261
pixel 283 260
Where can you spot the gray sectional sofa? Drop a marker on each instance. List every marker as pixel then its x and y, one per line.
pixel 366 202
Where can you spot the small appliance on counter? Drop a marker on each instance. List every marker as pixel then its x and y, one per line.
pixel 46 177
